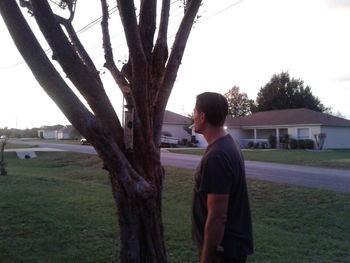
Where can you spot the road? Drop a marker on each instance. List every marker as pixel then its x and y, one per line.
pixel 321 178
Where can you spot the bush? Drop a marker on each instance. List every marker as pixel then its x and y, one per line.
pixel 264 145
pixel 256 145
pixel 250 144
pixel 309 144
pixel 183 141
pixel 286 140
pixel 293 143
pixel 301 144
pixel 272 141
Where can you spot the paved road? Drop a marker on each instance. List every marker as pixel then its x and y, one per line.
pixel 329 179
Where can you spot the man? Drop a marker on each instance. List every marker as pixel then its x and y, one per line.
pixel 221 221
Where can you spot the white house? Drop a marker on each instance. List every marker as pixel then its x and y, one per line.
pixel 174 125
pixel 49 132
pixel 64 132
pixel 298 123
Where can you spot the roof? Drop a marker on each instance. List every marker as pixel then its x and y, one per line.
pixel 66 129
pixel 287 117
pixel 51 128
pixel 174 118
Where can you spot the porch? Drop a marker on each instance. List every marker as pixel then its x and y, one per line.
pixel 261 136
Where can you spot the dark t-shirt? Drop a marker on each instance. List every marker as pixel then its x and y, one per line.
pixel 221 171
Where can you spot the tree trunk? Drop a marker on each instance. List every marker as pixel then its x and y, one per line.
pixel 140 221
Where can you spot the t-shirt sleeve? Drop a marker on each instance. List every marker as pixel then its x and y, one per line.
pixel 217 177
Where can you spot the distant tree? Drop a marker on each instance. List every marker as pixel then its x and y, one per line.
pixel 238 102
pixel 283 92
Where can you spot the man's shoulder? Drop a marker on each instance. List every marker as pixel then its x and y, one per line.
pixel 223 146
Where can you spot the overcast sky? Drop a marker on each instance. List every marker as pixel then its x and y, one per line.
pixel 242 45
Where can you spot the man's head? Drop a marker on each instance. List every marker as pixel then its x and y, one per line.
pixel 211 108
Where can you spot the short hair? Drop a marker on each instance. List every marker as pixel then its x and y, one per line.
pixel 214 106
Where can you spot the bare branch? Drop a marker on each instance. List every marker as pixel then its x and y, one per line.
pixel 147 25
pixel 79 48
pixel 89 84
pixel 160 52
pixel 110 63
pixel 132 33
pixel 139 65
pixel 173 65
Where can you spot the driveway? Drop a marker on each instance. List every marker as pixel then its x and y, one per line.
pixel 322 178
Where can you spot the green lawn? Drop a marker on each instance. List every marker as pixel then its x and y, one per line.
pixel 58 208
pixel 339 159
pixel 64 141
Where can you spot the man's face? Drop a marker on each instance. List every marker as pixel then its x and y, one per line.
pixel 199 118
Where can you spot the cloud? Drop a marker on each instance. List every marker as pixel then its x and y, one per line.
pixel 338 3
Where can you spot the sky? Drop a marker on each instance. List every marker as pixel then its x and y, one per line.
pixel 233 43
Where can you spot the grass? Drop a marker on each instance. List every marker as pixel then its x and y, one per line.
pixel 63 141
pixel 18 146
pixel 339 159
pixel 58 208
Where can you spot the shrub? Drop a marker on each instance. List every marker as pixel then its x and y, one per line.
pixel 183 141
pixel 309 144
pixel 250 144
pixel 293 143
pixel 301 144
pixel 272 141
pixel 256 145
pixel 286 140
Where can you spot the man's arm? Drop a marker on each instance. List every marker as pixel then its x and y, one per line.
pixel 215 225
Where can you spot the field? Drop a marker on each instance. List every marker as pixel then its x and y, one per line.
pixel 59 208
pixel 338 159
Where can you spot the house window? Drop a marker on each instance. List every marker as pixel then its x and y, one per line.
pixel 303 133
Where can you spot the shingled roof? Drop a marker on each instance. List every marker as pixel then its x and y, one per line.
pixel 174 118
pixel 287 117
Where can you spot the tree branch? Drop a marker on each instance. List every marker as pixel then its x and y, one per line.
pixel 173 65
pixel 147 25
pixel 160 52
pixel 79 48
pixel 89 84
pixel 110 63
pixel 132 33
pixel 139 65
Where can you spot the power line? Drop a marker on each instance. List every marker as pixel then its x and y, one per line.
pixel 113 10
pixel 221 11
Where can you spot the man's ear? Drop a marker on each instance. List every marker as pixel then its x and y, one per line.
pixel 203 117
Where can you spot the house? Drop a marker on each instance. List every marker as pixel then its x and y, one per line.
pixel 298 123
pixel 175 125
pixel 49 132
pixel 64 132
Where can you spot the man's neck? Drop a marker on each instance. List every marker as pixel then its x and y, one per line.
pixel 211 134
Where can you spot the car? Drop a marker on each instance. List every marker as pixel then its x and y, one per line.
pixel 84 141
pixel 3 137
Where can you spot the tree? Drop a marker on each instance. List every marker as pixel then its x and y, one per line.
pixel 238 102
pixel 283 92
pixel 130 154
